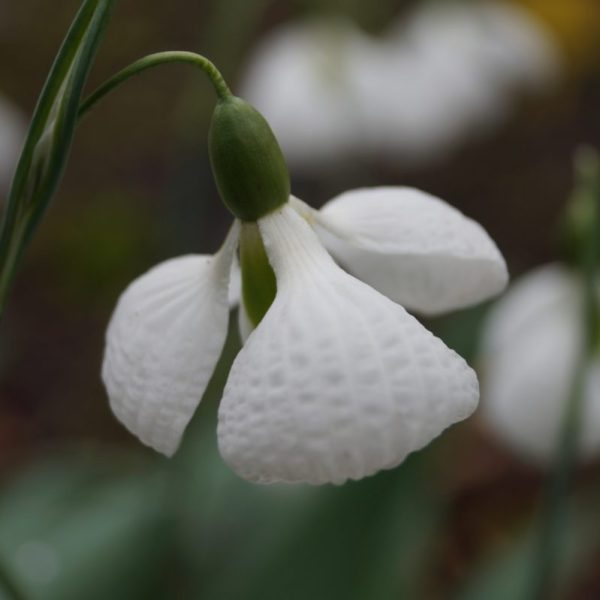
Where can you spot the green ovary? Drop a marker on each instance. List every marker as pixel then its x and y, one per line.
pixel 258 279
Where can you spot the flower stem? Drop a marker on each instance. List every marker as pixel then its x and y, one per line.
pixel 554 506
pixel 154 60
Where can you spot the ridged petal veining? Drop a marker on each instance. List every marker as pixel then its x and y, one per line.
pixel 412 247
pixel 163 342
pixel 337 381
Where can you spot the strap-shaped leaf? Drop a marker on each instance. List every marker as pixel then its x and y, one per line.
pixel 48 141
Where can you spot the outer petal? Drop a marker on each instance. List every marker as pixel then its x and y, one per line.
pixel 529 352
pixel 413 247
pixel 163 342
pixel 337 381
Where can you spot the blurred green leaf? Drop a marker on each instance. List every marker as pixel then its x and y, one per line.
pixel 367 539
pixel 48 141
pixel 87 527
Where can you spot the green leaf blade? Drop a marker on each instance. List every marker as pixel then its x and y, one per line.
pixel 50 136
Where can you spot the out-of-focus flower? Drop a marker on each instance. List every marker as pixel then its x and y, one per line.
pixel 448 70
pixel 12 134
pixel 301 79
pixel 529 354
pixel 336 381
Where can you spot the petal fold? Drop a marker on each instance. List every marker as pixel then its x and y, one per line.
pixel 163 342
pixel 337 381
pixel 413 247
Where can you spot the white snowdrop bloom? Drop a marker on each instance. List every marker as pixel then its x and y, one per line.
pixel 529 353
pixel 336 381
pixel 445 71
pixel 12 134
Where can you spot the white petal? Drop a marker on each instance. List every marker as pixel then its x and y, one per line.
pixel 413 247
pixel 336 382
pixel 235 284
pixel 529 353
pixel 163 342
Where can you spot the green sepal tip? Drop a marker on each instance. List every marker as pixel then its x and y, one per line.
pixel 247 162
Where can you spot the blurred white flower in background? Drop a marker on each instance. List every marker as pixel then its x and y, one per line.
pixel 446 71
pixel 299 78
pixel 12 133
pixel 336 381
pixel 529 353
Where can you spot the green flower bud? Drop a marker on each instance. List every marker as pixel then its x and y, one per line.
pixel 247 162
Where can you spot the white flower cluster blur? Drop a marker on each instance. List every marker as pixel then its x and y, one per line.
pixel 446 71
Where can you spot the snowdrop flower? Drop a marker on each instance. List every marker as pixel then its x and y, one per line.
pixel 448 69
pixel 335 380
pixel 12 134
pixel 529 352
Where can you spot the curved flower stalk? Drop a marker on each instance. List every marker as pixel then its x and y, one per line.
pixel 12 134
pixel 449 69
pixel 530 352
pixel 335 380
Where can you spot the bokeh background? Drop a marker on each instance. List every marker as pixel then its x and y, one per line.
pixel 85 510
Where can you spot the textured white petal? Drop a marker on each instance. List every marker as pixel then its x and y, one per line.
pixel 529 352
pixel 337 381
pixel 412 247
pixel 163 342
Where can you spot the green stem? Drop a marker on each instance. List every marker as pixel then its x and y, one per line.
pixel 554 507
pixel 154 60
pixel 8 585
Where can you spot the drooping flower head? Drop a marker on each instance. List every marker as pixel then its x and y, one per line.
pixel 335 379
